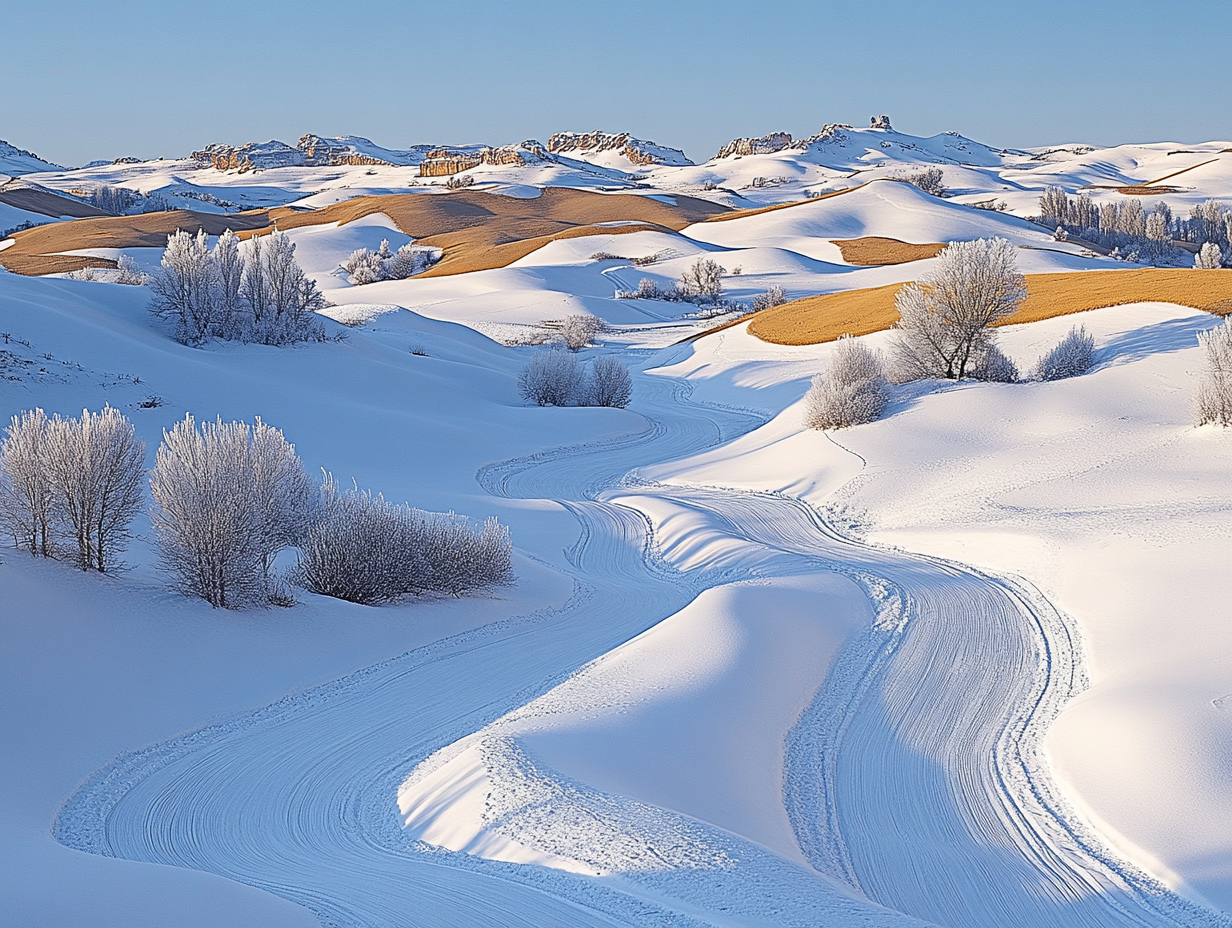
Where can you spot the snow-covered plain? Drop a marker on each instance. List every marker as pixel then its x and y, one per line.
pixel 967 665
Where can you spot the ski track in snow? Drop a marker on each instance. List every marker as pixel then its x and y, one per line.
pixel 914 777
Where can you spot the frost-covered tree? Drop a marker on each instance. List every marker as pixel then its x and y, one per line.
pixel 128 272
pixel 26 497
pixel 609 384
pixel 1209 257
pixel 1215 387
pixel 702 280
pixel 852 390
pixel 580 329
pixel 227 500
pixel 552 377
pixel 184 289
pixel 366 550
pixel 946 316
pixel 94 465
pixel 1071 356
pixel 285 311
pixel 229 274
pixel 1157 227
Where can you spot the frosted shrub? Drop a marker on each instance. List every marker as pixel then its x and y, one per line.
pixel 1215 387
pixel 366 267
pixel 553 377
pixel 945 317
pixel 1071 356
pixel 94 467
pixel 281 300
pixel 609 384
pixel 25 484
pixel 772 297
pixel 228 497
pixel 1209 257
pixel 128 272
pixel 366 550
pixel 930 181
pixel 994 367
pixel 579 330
pixel 852 390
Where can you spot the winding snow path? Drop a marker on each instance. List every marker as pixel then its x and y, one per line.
pixel 913 778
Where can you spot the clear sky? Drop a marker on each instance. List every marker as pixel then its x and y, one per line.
pixel 91 80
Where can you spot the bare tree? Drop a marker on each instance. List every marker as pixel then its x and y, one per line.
pixel 610 384
pixel 1071 356
pixel 945 317
pixel 852 390
pixel 702 280
pixel 1215 387
pixel 229 274
pixel 228 500
pixel 26 498
pixel 553 377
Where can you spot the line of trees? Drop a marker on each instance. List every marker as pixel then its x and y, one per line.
pixel 228 498
pixel 1136 233
pixel 253 291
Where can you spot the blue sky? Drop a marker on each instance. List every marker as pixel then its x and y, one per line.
pixel 82 80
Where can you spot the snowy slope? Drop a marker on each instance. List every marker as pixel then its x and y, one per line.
pixel 15 161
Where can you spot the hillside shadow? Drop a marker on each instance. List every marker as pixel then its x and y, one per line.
pixel 1157 338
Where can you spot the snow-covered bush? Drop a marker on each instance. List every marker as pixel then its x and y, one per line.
pixel 772 297
pixel 702 280
pixel 931 181
pixel 71 479
pixel 609 384
pixel 25 485
pixel 580 329
pixel 553 377
pixel 1215 387
pixel 366 550
pixel 94 467
pixel 256 292
pixel 1071 356
pixel 228 498
pixel 946 316
pixel 128 272
pixel 994 367
pixel 367 267
pixel 852 391
pixel 1209 257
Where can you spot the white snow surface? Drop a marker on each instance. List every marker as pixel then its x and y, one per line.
pixel 964 666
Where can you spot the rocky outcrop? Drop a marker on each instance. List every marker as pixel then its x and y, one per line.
pixel 331 152
pixel 831 132
pixel 254 155
pixel 441 162
pixel 765 145
pixel 637 151
pixel 880 122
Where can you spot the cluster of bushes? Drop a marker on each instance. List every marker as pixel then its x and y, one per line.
pixel 554 377
pixel 945 330
pixel 252 292
pixel 228 498
pixel 366 267
pixel 702 284
pixel 123 201
pixel 1137 234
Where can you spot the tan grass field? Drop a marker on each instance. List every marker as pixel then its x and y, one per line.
pixel 477 230
pixel 874 250
pixel 824 318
